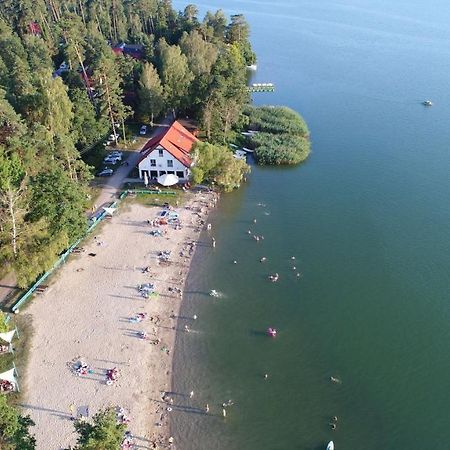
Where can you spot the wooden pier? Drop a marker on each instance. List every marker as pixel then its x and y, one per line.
pixel 261 87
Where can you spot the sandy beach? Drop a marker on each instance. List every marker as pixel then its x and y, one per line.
pixel 85 316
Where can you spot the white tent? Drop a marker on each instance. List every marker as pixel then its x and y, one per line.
pixel 109 211
pixel 168 179
pixel 10 375
pixel 8 336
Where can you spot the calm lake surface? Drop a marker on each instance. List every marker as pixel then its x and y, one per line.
pixel 368 220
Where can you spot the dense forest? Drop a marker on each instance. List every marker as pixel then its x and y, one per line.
pixel 66 80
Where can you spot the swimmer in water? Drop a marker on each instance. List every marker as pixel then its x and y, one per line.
pixel 263 259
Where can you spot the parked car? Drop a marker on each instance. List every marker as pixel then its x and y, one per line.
pixel 106 172
pixel 112 159
pixel 112 138
pixel 116 153
pixel 143 130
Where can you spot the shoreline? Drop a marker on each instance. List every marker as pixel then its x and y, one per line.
pixel 195 273
pixel 85 316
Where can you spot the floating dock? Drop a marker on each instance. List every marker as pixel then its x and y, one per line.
pixel 261 87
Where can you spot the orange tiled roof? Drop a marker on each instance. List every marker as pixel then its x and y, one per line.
pixel 176 140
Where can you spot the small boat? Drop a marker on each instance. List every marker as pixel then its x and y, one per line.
pixel 427 103
pixel 252 67
pixel 330 445
pixel 272 332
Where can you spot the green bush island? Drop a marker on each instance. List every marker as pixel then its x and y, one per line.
pixel 282 135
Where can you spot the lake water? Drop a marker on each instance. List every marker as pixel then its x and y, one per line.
pixel 368 220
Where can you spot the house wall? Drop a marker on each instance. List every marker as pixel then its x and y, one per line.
pixel 161 165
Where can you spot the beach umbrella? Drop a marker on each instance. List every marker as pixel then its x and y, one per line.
pixel 145 179
pixel 168 179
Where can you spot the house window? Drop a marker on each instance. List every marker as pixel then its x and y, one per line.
pixel 180 174
pixel 153 162
pixel 161 153
pixel 170 163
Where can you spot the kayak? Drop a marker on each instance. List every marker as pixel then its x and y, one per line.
pixel 330 445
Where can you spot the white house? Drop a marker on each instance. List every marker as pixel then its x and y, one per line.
pixel 168 152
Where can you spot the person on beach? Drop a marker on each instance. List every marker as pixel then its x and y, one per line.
pixel 213 242
pixel 191 394
pixel 224 412
pixel 72 411
pixel 186 328
pixel 207 408
pixel 194 317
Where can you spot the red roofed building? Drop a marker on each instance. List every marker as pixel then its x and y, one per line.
pixel 168 152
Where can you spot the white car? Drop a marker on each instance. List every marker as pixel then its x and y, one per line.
pixel 143 130
pixel 112 159
pixel 116 153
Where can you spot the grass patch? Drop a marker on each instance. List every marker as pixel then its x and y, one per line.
pixel 177 200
